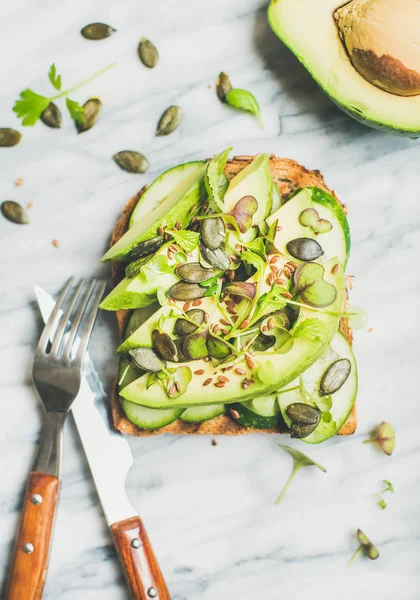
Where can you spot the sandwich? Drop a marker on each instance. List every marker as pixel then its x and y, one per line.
pixel 230 295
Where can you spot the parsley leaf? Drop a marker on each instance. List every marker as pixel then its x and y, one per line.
pixel 54 78
pixel 311 329
pixel 75 110
pixel 30 106
pixel 188 240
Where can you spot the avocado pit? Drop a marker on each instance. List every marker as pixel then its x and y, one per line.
pixel 382 39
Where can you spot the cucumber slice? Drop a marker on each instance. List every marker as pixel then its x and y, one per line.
pixel 149 418
pixel 161 187
pixel 249 418
pixel 197 414
pixel 266 406
pixel 342 400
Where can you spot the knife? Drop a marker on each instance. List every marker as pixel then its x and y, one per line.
pixel 110 458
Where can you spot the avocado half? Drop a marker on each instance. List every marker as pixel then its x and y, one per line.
pixel 309 30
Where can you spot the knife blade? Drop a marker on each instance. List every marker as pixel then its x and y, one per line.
pixel 110 458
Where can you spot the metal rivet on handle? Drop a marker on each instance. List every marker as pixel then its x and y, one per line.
pixel 152 592
pixel 36 499
pixel 136 543
pixel 28 548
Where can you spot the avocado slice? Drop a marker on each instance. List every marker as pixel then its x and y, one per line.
pixel 254 180
pixel 308 29
pixel 175 207
pixel 162 186
pixel 286 366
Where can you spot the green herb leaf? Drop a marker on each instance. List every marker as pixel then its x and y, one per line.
pixel 366 547
pixel 389 486
pixel 299 460
pixel 257 246
pixel 75 110
pixel 269 302
pixel 153 378
pixel 213 176
pixel 275 326
pixel 188 240
pixel 253 259
pixel 30 107
pixel 324 403
pixel 266 372
pixel 384 437
pixel 54 78
pixel 211 291
pixel 244 100
pixel 310 329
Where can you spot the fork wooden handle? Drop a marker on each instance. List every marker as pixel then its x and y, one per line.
pixel 30 557
pixel 139 562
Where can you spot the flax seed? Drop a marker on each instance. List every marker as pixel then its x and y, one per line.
pixel 224 322
pixel 196 303
pixel 370 329
pixel 244 324
pixel 271 323
pixel 19 181
pixel 239 247
pixel 207 358
pixel 216 328
pixel 232 275
pixel 234 413
pixel 219 384
pixel 280 281
pixel 286 272
pixel 194 220
pixel 240 371
pixel 193 208
pixel 170 254
pixel 206 317
pixel 172 390
pixel 235 318
pixel 213 442
pixel 286 295
pixel 167 236
pixel 207 381
pixel 199 372
pixel 293 264
pixel 160 230
pixel 229 368
pixel 271 278
pixel 224 331
pixel 178 386
pixel 251 364
pixel 274 268
pixel 173 248
pixel 223 379
pixel 204 206
pixel 29 205
pixel 335 268
pixel 279 227
pixel 244 385
pixel 264 328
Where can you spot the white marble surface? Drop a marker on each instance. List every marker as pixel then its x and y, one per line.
pixel 209 510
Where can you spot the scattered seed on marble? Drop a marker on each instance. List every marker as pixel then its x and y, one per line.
pixel 97 31
pixel 29 205
pixel 19 181
pixel 199 372
pixel 214 442
pixel 56 243
pixel 148 53
pixel 169 121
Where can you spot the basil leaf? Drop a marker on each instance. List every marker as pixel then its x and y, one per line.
pixel 245 101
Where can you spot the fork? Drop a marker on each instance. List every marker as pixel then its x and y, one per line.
pixel 57 373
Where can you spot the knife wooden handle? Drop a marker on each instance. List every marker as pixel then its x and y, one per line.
pixel 30 557
pixel 140 566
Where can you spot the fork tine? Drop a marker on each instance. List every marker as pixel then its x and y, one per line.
pixel 77 319
pixel 58 336
pixel 52 321
pixel 90 322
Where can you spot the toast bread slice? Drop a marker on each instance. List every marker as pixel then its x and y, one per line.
pixel 289 176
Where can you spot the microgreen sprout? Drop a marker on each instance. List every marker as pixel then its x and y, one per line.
pixel 366 547
pixel 299 460
pixel 388 488
pixel 384 437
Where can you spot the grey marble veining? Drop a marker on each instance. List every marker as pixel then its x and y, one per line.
pixel 209 510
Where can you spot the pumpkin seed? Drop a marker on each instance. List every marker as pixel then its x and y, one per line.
pixel 9 137
pixel 170 120
pixel 164 345
pixel 217 347
pixel 146 359
pixel 223 86
pixel 181 356
pixel 194 272
pixel 217 258
pixel 303 414
pixel 299 432
pixel 186 291
pixel 334 377
pixel 14 212
pixel 97 31
pixel 213 232
pixel 305 249
pixel 131 161
pixel 148 53
pixel 195 346
pixel 51 116
pixel 91 111
pixel 184 327
pixel 147 247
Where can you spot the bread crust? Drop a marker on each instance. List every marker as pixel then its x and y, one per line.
pixel 289 176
